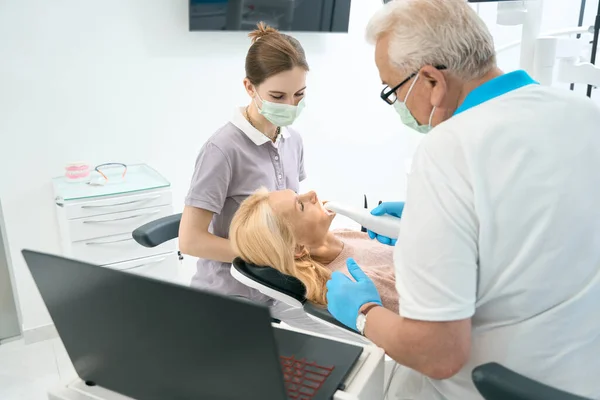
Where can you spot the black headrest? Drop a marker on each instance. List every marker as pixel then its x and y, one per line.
pixel 272 279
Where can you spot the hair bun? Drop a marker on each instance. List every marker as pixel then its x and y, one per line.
pixel 261 30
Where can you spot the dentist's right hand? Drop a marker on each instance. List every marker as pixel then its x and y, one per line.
pixel 393 208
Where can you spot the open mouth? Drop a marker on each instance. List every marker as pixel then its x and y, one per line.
pixel 326 211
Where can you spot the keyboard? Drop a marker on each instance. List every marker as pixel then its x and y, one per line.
pixel 303 378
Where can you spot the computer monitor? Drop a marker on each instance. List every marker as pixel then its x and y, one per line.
pixel 285 15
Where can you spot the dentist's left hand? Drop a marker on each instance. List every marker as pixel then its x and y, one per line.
pixel 345 297
pixel 395 209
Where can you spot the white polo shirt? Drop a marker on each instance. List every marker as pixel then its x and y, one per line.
pixel 502 225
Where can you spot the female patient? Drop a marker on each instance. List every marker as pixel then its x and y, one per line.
pixel 291 233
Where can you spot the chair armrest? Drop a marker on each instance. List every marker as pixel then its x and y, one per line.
pixel 496 382
pixel 158 231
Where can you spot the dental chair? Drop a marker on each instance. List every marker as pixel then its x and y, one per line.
pixel 268 281
pixel 496 382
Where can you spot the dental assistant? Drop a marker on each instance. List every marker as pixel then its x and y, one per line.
pixel 256 148
pixel 498 258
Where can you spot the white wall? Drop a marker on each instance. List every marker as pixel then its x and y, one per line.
pixel 125 81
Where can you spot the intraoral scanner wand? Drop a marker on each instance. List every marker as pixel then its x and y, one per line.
pixel 385 225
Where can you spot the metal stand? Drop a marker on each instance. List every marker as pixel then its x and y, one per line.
pixel 594 45
pixel 580 23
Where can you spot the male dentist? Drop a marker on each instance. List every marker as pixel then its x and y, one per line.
pixel 498 257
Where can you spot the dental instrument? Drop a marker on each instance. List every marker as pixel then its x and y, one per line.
pixel 385 225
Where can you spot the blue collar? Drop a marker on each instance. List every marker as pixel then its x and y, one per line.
pixel 496 87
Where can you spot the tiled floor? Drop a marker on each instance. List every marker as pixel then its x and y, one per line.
pixel 28 371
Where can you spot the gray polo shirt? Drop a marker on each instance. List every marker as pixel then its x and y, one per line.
pixel 232 164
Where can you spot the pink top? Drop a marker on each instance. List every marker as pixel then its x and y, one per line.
pixel 374 258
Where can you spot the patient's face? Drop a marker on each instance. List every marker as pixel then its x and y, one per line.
pixel 309 220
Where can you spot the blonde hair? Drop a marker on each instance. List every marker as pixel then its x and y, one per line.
pixel 261 237
pixel 445 33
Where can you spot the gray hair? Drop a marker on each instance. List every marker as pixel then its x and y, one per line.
pixel 435 32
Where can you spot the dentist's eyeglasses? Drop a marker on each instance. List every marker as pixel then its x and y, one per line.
pixel 389 94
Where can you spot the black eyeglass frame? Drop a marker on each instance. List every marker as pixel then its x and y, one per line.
pixel 386 92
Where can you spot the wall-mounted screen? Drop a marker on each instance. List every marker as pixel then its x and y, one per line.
pixel 285 15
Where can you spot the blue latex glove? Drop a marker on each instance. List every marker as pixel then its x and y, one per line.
pixel 393 208
pixel 345 297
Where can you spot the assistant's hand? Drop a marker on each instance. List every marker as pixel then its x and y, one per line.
pixel 345 297
pixel 393 208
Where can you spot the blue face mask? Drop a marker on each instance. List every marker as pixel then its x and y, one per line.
pixel 407 118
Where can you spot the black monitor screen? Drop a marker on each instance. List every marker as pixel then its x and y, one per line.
pixel 285 15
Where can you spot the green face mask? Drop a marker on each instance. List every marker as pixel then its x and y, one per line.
pixel 279 114
pixel 407 118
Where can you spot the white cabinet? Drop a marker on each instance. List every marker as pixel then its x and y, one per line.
pixel 96 223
